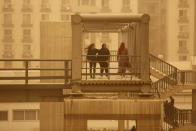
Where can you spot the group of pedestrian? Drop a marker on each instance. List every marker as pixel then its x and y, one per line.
pixel 102 56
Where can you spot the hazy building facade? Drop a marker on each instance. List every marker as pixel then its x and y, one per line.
pixel 171 34
pixel 180 30
pixel 157 9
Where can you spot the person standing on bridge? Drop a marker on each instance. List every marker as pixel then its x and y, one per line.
pixel 103 58
pixel 92 58
pixel 123 59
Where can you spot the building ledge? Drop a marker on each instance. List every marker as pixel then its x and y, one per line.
pixel 183 5
pixel 27 40
pixel 8 25
pixel 183 20
pixel 25 9
pixel 45 10
pixel 8 40
pixel 27 25
pixel 183 35
pixel 8 9
pixel 183 51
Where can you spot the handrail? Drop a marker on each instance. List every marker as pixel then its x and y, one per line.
pixel 65 68
pixel 162 66
pixel 112 61
pixel 175 117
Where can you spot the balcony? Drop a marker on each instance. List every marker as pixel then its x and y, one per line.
pixel 183 51
pixel 183 19
pixel 45 8
pixel 183 35
pixel 8 8
pixel 27 25
pixel 8 40
pixel 183 4
pixel 8 25
pixel 27 8
pixel 27 40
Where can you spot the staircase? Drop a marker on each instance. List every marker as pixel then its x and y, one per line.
pixel 170 81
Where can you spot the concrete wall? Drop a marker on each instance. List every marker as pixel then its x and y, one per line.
pixel 12 125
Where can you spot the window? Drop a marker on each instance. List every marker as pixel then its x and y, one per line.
pixel 26 35
pixel 182 44
pixel 7 4
pixel 29 114
pixel 45 6
pixel 18 115
pixel 27 49
pixel 105 3
pixel 3 115
pixel 45 17
pixel 183 58
pixel 27 19
pixel 93 2
pixel 8 19
pixel 8 35
pixel 7 51
pixel 65 6
pixel 183 28
pixel 27 5
pixel 126 3
pixel 183 3
pixel 85 2
pixel 183 13
pixel 26 2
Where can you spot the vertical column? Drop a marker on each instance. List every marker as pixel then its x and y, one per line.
pixel 144 46
pixel 194 69
pixel 76 49
pixel 52 116
pixel 121 125
pixel 194 107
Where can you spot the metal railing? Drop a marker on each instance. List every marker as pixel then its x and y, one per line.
pixel 186 77
pixel 133 67
pixel 60 65
pixel 175 117
pixel 163 67
pixel 170 72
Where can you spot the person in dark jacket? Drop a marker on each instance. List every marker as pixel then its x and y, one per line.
pixel 92 58
pixel 103 58
pixel 133 128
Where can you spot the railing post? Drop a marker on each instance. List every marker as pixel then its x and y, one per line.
pixel 26 72
pixel 182 77
pixel 66 71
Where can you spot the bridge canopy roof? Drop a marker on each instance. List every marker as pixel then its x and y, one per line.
pixel 108 22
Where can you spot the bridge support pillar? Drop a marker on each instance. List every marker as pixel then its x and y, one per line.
pixel 121 125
